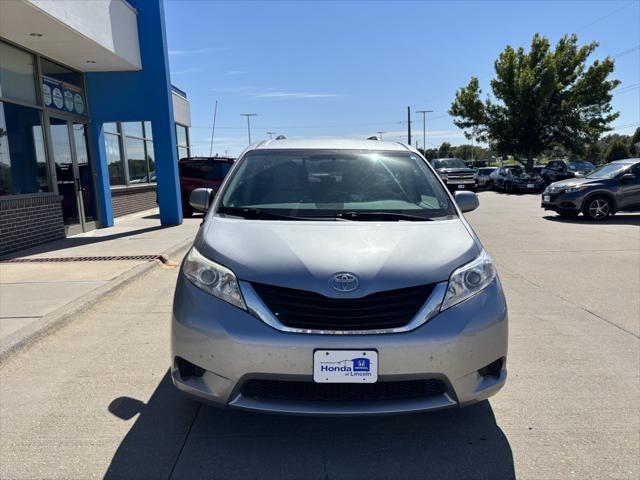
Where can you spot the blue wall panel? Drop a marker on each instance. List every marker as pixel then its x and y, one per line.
pixel 137 96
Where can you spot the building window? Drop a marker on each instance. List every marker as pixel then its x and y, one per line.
pixel 136 160
pixel 23 163
pixel 114 158
pixel 17 75
pixel 182 141
pixel 62 88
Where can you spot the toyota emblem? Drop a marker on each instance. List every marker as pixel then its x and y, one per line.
pixel 344 282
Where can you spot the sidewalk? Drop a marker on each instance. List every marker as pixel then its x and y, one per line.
pixel 38 296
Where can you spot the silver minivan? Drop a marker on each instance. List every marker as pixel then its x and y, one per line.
pixel 337 277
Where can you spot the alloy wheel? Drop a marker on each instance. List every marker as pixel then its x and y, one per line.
pixel 599 208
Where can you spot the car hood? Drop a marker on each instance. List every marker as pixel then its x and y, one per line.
pixel 455 170
pixel 305 254
pixel 571 182
pixel 528 177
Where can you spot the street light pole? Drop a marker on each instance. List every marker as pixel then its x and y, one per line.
pixel 271 135
pixel 424 129
pixel 248 115
pixel 380 134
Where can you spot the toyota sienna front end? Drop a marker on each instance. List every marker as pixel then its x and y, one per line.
pixel 337 277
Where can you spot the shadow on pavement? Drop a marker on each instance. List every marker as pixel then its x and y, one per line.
pixel 71 242
pixel 620 219
pixel 175 437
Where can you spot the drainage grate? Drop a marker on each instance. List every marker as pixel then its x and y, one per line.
pixel 106 258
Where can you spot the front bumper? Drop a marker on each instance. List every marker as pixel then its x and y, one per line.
pixel 454 184
pixel 562 202
pixel 527 187
pixel 232 347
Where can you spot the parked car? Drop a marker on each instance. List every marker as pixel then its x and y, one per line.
pixel 482 177
pixel 538 169
pixel 199 172
pixel 557 170
pixel 516 179
pixel 294 299
pixel 455 173
pixel 614 187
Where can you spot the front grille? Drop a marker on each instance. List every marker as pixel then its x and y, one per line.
pixel 342 392
pixel 312 311
pixel 460 177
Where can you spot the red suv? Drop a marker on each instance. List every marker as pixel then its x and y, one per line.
pixel 201 172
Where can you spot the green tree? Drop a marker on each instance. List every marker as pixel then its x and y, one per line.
pixel 617 149
pixel 444 150
pixel 593 153
pixel 542 97
pixel 636 136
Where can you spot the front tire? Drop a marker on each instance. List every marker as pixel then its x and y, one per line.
pixel 597 208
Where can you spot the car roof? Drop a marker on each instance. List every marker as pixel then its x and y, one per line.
pixel 214 159
pixel 329 144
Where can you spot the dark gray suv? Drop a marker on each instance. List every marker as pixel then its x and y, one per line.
pixel 612 188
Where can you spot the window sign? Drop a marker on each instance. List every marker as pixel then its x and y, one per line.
pixel 63 96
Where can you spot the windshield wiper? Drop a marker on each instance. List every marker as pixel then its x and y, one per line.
pixel 384 216
pixel 257 214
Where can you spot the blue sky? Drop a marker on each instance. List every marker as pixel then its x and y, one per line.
pixel 352 68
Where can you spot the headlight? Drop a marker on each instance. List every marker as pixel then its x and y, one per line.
pixel 213 278
pixel 573 188
pixel 443 176
pixel 468 280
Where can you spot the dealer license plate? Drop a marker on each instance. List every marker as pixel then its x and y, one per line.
pixel 546 198
pixel 345 366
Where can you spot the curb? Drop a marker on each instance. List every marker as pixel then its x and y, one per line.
pixel 53 321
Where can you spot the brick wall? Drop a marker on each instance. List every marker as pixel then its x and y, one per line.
pixel 126 200
pixel 29 220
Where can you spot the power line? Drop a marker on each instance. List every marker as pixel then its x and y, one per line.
pixel 627 88
pixel 626 52
pixel 606 16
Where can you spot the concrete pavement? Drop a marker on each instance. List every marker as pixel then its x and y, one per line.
pixel 34 295
pixel 94 399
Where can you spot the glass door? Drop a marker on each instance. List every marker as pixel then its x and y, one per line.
pixel 84 176
pixel 73 174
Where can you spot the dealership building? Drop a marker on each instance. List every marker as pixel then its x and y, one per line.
pixel 90 126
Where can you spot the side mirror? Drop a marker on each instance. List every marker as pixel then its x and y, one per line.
pixel 628 176
pixel 467 201
pixel 201 198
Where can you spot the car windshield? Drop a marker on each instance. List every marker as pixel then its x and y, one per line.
pixel 449 163
pixel 344 184
pixel 580 165
pixel 610 170
pixel 516 171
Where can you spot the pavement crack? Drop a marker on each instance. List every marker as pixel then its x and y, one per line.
pixel 184 442
pixel 512 272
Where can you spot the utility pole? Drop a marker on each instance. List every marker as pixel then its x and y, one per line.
pixel 424 129
pixel 271 134
pixel 248 115
pixel 213 128
pixel 409 125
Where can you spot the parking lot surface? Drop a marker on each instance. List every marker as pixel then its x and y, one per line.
pixel 95 400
